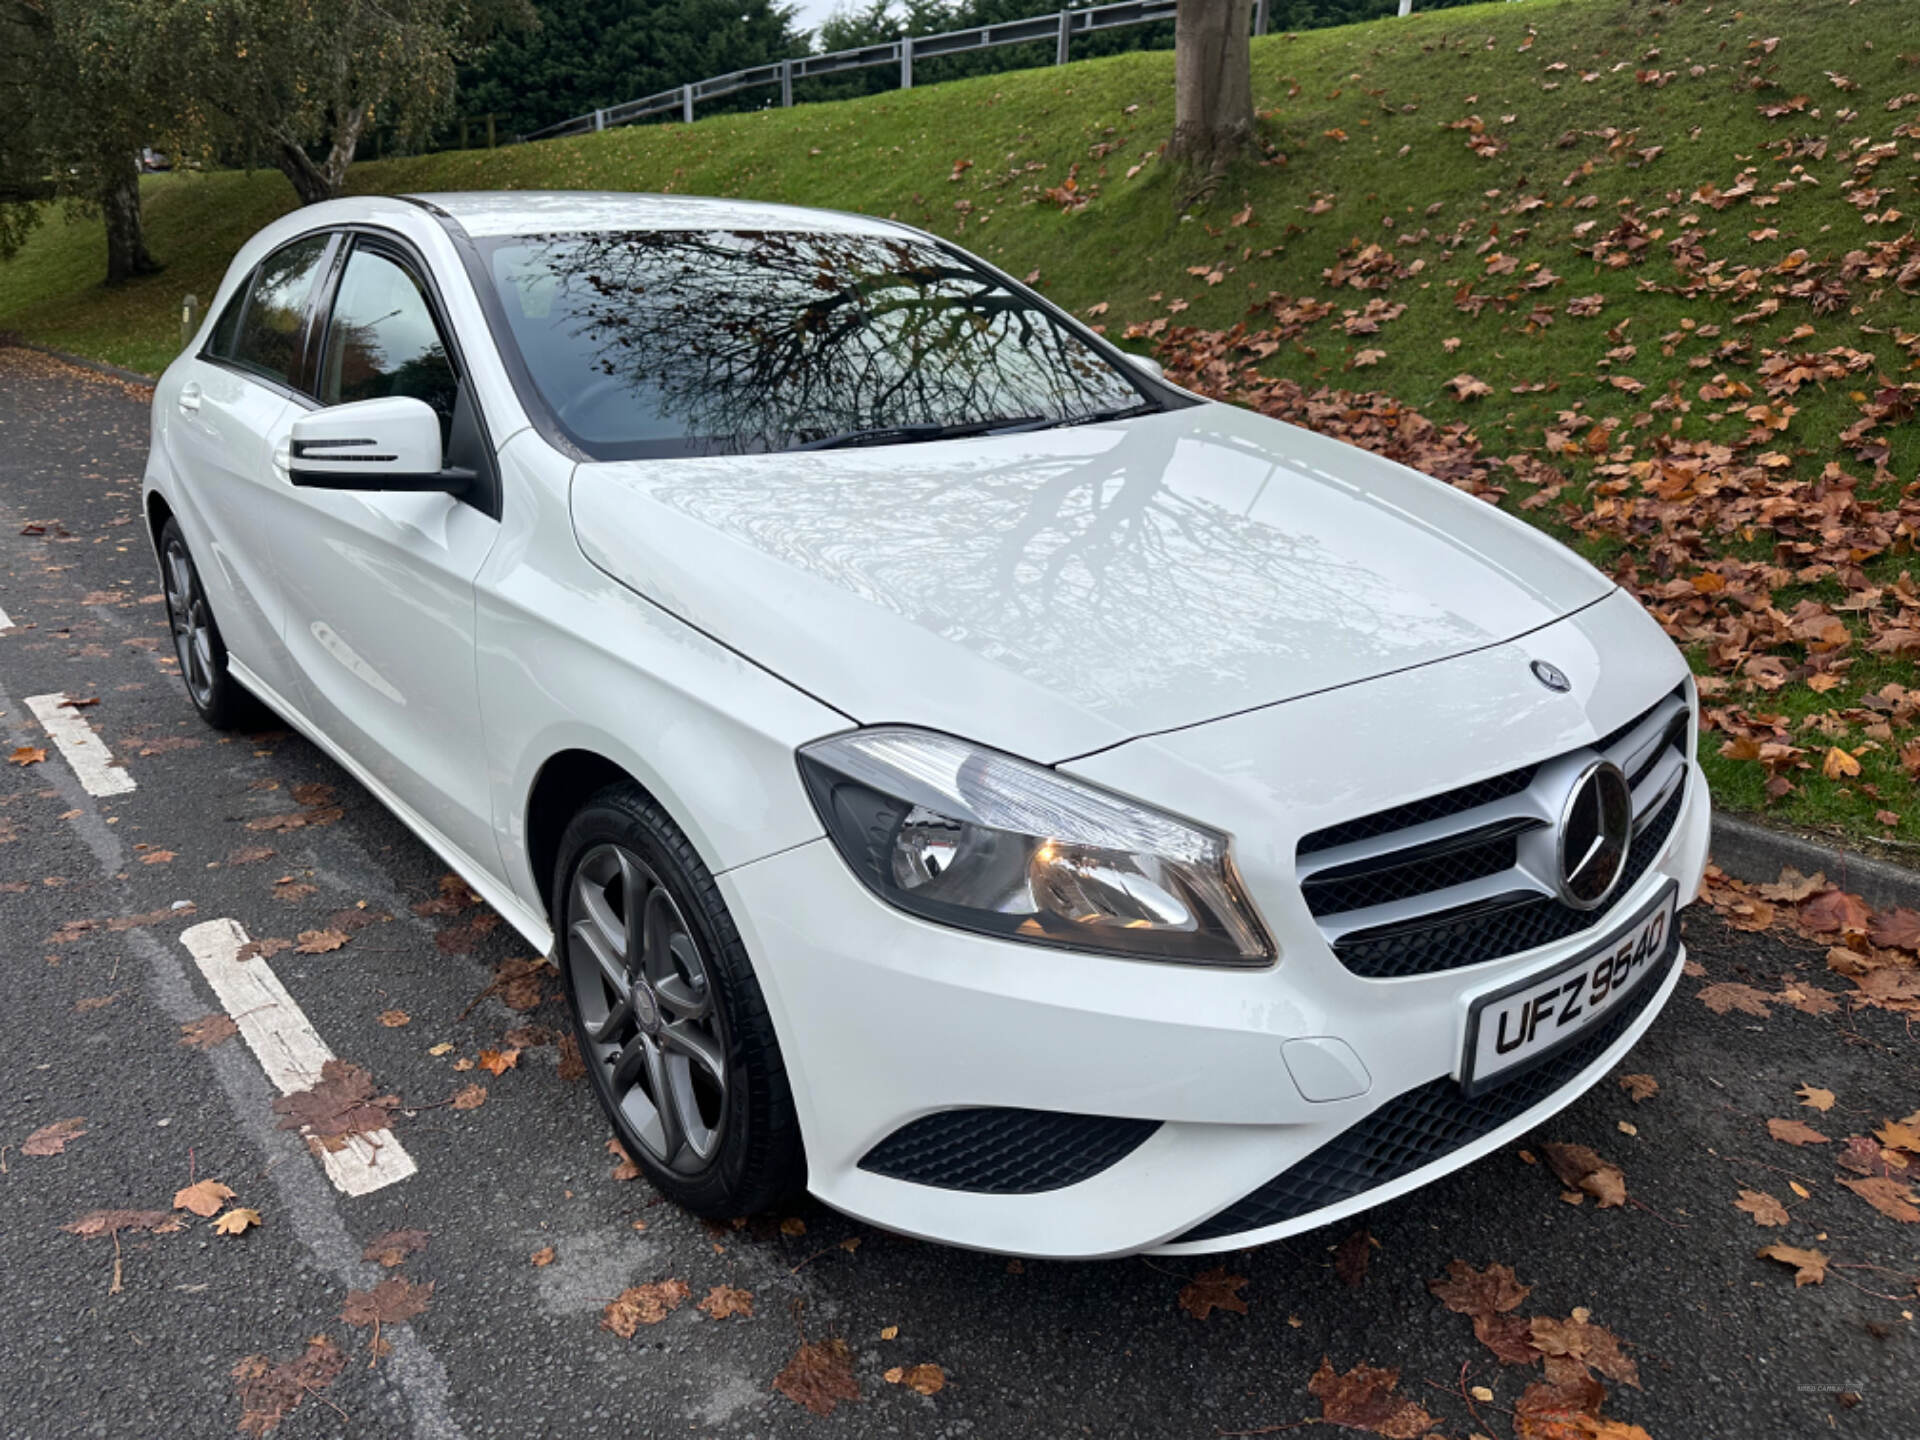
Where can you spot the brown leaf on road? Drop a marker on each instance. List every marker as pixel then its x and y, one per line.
pixel 202 1199
pixel 395 1246
pixel 1814 1098
pixel 236 1221
pixel 1810 1266
pixel 724 1300
pixel 250 855
pixel 1568 1408
pixel 312 793
pixel 1581 1340
pixel 1765 1210
pixel 1581 1169
pixel 96 1223
pixel 1895 929
pixel 922 1379
pixel 320 942
pixel 263 949
pixel 626 1169
pixel 1350 1258
pixel 455 895
pixel 1488 1296
pixel 1834 912
pixel 819 1377
pixel 1792 887
pixel 639 1305
pixel 208 1031
pixel 498 1062
pixel 1730 995
pixel 393 1301
pixel 1639 1087
pixel 26 755
pixel 157 857
pixel 469 1097
pixel 1887 1195
pixel 541 1258
pixel 394 1019
pixel 1364 1399
pixel 571 1067
pixel 1212 1290
pixel 270 1391
pixel 53 1139
pixel 1795 1132
pixel 341 1105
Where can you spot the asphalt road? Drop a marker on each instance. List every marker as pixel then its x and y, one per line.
pixel 1725 1344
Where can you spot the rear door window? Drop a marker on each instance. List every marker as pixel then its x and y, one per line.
pixel 267 338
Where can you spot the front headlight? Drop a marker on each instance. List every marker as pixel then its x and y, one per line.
pixel 977 839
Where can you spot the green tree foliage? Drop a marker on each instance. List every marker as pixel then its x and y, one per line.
pixel 584 54
pixel 299 82
pixel 84 88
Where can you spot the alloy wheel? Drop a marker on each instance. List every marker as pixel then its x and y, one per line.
pixel 192 625
pixel 649 1017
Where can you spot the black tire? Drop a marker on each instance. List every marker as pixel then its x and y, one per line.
pixel 223 702
pixel 721 1147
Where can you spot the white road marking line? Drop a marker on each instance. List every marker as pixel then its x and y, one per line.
pixel 289 1049
pixel 6 622
pixel 85 751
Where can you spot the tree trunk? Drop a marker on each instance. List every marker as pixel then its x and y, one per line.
pixel 127 254
pixel 313 181
pixel 1212 82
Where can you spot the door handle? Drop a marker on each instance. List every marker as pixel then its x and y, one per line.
pixel 190 398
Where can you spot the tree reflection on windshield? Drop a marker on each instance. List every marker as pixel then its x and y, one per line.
pixel 658 342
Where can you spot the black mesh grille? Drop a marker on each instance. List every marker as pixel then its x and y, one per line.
pixel 1420 1126
pixel 1466 936
pixel 1338 891
pixel 1004 1151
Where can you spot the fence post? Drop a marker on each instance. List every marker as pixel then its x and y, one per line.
pixel 490 130
pixel 906 62
pixel 1060 51
pixel 786 83
pixel 1261 17
pixel 1406 7
pixel 599 120
pixel 686 103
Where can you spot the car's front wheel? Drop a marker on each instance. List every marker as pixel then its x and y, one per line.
pixel 221 700
pixel 669 1017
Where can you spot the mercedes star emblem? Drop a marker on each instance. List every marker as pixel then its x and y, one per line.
pixel 1596 826
pixel 1551 676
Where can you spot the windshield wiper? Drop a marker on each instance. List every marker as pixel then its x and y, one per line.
pixel 1101 417
pixel 909 434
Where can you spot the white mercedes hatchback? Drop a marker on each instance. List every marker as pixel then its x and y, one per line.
pixel 955 771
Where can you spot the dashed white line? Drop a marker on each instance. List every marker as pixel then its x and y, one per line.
pixel 288 1048
pixel 85 751
pixel 6 622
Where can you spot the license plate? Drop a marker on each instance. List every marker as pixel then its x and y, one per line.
pixel 1516 1027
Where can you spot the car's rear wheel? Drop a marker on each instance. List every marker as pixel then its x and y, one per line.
pixel 221 700
pixel 669 1017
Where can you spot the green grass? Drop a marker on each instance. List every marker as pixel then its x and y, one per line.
pixel 1354 121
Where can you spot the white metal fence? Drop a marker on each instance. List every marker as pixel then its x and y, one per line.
pixel 1060 29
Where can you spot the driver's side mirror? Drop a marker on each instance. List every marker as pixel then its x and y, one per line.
pixel 1148 364
pixel 391 443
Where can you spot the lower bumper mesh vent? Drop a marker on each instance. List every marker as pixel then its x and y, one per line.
pixel 1001 1151
pixel 1420 1126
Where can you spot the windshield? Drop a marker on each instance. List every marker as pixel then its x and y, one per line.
pixel 655 343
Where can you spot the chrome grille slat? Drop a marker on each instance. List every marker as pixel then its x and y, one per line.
pixel 1379 884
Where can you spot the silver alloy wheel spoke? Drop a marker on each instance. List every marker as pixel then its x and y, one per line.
pixel 647 1007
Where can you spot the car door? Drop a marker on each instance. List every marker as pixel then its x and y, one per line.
pixel 230 418
pixel 379 613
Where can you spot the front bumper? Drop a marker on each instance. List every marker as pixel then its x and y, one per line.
pixel 884 1019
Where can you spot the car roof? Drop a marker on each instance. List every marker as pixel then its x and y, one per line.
pixel 483 213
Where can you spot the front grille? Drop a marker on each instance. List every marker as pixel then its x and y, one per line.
pixel 1002 1151
pixel 1440 883
pixel 1421 1126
